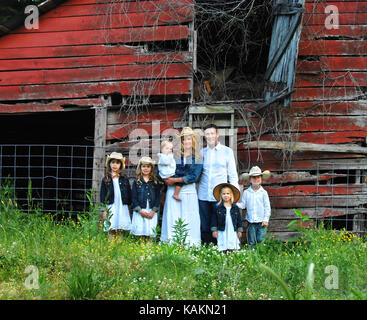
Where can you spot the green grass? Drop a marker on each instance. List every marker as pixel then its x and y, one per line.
pixel 75 261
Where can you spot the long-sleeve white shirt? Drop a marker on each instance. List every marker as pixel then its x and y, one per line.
pixel 257 204
pixel 166 165
pixel 219 166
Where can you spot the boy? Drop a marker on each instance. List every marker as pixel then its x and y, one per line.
pixel 256 201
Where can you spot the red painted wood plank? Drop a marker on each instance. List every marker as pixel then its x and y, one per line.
pixel 126 20
pixel 354 18
pixel 327 63
pixel 327 93
pixel 57 105
pixel 161 33
pixel 312 123
pixel 320 201
pixel 115 8
pixel 81 2
pixel 307 159
pixel 148 115
pixel 329 107
pixel 308 190
pixel 158 71
pixel 321 137
pixel 332 47
pixel 69 51
pixel 318 32
pixel 143 130
pixel 343 7
pixel 94 61
pixel 332 79
pixel 82 90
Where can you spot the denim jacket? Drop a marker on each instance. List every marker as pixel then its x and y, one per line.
pixel 107 195
pixel 190 172
pixel 143 191
pixel 219 218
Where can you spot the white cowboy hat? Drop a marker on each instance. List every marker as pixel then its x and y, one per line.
pixel 145 160
pixel 254 172
pixel 116 156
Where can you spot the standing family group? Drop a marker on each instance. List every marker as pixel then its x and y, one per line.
pixel 202 191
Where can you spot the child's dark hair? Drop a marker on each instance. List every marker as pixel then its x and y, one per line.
pixel 211 125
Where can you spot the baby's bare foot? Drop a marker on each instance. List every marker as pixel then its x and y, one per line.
pixel 175 196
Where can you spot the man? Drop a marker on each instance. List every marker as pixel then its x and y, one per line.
pixel 219 166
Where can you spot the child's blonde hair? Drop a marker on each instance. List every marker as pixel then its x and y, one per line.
pixel 232 195
pixel 165 142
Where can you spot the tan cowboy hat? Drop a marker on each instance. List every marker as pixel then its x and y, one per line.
pixel 145 160
pixel 255 171
pixel 219 187
pixel 187 131
pixel 116 156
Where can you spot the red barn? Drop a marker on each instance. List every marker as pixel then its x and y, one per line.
pixel 122 65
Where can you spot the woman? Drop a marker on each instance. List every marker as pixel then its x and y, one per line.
pixel 188 168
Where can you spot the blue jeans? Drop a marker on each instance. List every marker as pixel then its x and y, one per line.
pixel 206 211
pixel 255 233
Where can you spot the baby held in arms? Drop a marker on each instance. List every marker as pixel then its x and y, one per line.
pixel 167 165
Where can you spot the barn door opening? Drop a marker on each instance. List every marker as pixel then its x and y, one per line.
pixel 280 72
pixel 47 160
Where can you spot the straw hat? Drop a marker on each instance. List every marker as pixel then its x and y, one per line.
pixel 145 160
pixel 116 156
pixel 187 131
pixel 254 172
pixel 219 187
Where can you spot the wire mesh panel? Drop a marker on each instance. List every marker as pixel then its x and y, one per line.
pixel 341 202
pixel 52 178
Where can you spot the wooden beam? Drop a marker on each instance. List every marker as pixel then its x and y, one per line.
pixel 99 144
pixel 304 146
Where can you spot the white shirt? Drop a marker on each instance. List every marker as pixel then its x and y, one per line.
pixel 166 165
pixel 219 166
pixel 257 204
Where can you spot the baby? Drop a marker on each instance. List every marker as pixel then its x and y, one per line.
pixel 167 165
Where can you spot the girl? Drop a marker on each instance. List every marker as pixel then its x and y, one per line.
pixel 146 197
pixel 116 196
pixel 227 221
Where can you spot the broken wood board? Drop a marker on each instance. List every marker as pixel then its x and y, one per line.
pixel 315 213
pixel 304 146
pixel 300 176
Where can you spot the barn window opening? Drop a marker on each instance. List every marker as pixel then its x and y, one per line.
pixel 233 40
pixel 47 158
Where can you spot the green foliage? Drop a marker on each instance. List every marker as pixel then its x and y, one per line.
pixel 180 232
pixel 76 261
pixel 10 8
pixel 84 283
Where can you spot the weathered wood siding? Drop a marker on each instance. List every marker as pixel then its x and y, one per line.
pixel 85 49
pixel 329 107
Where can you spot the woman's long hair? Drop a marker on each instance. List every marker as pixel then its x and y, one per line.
pixel 195 150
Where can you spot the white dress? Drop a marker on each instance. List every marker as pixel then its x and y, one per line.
pixel 141 226
pixel 120 215
pixel 187 210
pixel 228 239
